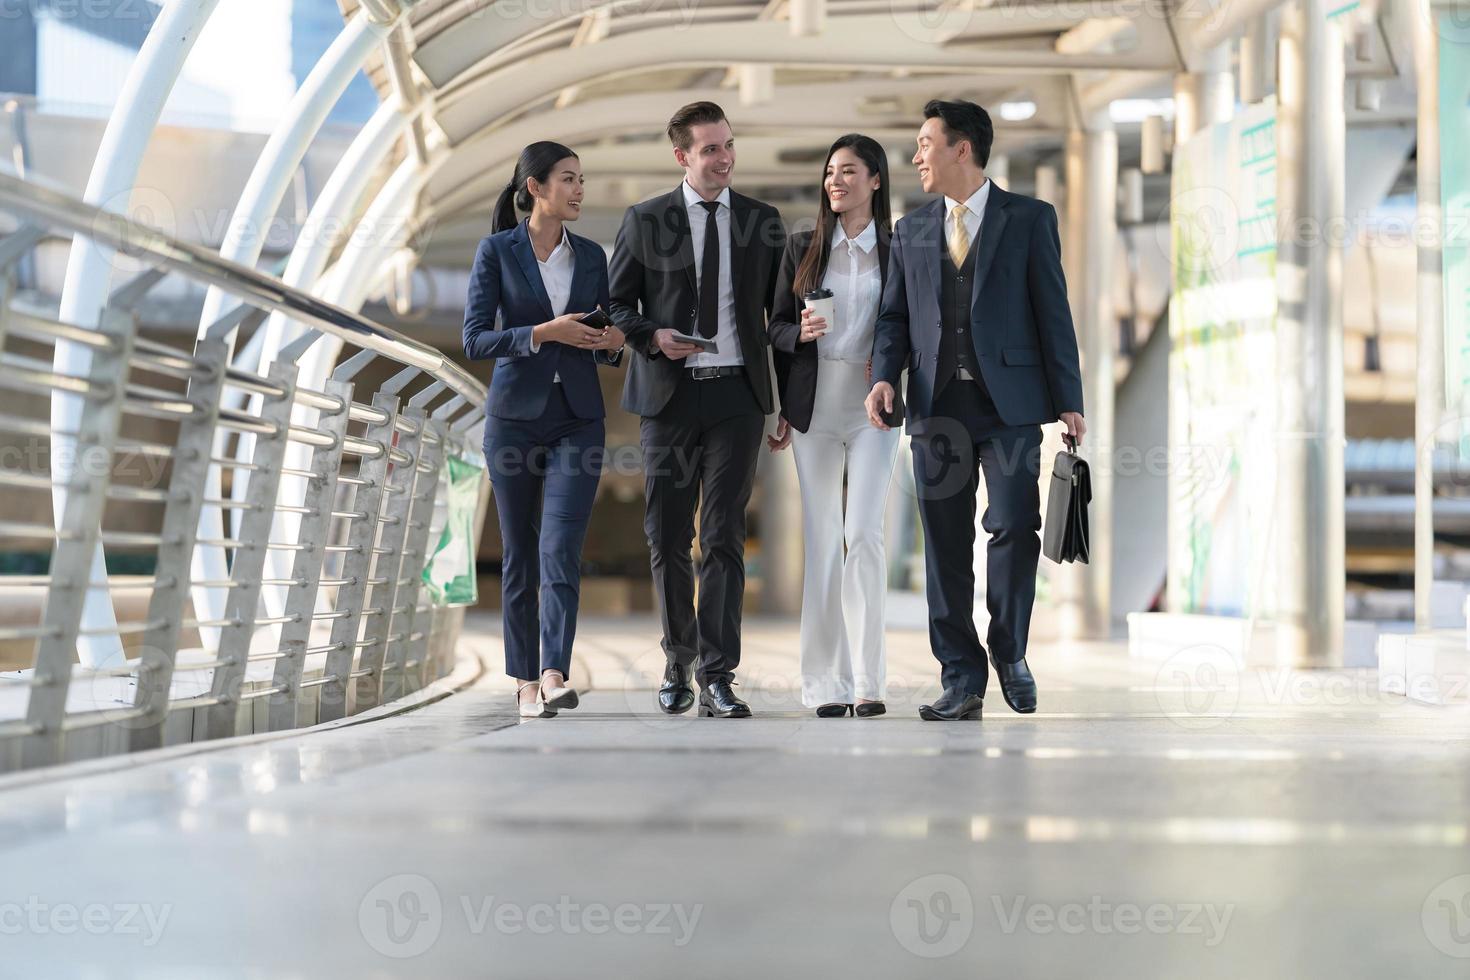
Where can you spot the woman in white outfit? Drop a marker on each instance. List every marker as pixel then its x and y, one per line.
pixel 823 375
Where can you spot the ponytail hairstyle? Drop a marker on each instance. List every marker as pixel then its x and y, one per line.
pixel 536 162
pixel 813 264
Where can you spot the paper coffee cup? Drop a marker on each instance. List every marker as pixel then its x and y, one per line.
pixel 823 304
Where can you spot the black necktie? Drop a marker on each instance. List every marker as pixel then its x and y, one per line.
pixel 709 274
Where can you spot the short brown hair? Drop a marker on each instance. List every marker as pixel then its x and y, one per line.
pixel 691 115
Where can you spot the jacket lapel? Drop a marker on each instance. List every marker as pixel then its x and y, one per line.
pixel 676 227
pixel 991 227
pixel 742 235
pixel 520 247
pixel 581 299
pixel 883 257
pixel 931 238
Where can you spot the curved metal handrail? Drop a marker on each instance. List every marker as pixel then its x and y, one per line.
pixel 129 237
pixel 359 512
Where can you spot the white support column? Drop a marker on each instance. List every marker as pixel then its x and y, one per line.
pixel 264 190
pixel 1255 59
pixel 1099 329
pixel 1311 132
pixel 1206 96
pixel 1046 185
pixel 374 242
pixel 286 148
pixel 88 269
pixel 808 17
pixel 1083 593
pixel 326 226
pixel 1074 166
pixel 782 547
pixel 1429 395
pixel 999 170
pixel 1068 593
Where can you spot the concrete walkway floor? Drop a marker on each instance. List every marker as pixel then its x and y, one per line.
pixel 1151 820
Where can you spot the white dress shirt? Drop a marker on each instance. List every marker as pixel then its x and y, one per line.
pixel 725 336
pixel 556 277
pixel 856 281
pixel 976 206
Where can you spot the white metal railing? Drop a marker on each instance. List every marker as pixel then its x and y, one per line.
pixel 357 629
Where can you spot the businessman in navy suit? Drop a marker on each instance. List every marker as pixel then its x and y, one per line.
pixel 975 306
pixel 532 282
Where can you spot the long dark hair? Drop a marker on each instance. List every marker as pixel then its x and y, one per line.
pixel 536 161
pixel 813 265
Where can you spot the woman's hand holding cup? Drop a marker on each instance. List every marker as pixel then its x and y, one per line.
pixel 817 316
pixel 812 325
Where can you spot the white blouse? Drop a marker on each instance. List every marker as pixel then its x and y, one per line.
pixel 556 278
pixel 856 280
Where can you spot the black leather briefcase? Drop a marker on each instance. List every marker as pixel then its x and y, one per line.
pixel 1065 536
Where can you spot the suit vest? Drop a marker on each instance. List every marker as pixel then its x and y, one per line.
pixel 956 340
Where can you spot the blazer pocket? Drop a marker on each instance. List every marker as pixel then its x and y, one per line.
pixel 914 358
pixel 1021 355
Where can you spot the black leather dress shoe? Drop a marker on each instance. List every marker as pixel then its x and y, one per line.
pixel 1017 685
pixel 952 705
pixel 834 710
pixel 676 694
pixel 718 700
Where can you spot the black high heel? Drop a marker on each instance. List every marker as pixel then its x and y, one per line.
pixel 871 709
pixel 834 710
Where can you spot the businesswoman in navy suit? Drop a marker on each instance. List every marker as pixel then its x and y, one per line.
pixel 532 281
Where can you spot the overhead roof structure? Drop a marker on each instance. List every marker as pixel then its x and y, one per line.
pixel 603 76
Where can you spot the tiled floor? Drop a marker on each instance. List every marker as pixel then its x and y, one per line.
pixel 1151 820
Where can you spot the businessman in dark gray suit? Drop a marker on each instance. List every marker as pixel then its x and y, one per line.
pixel 975 306
pixel 701 261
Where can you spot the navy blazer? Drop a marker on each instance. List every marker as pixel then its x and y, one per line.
pixel 1021 325
pixel 505 303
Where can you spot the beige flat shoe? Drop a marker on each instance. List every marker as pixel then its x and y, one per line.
pixel 557 695
pixel 533 709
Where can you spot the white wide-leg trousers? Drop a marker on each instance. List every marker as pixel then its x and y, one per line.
pixel 845 578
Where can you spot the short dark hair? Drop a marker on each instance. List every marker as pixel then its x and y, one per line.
pixel 964 121
pixel 691 115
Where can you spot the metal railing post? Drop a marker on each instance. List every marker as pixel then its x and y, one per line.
pixel 77 537
pixel 306 570
pixel 387 569
pixel 357 564
pixel 406 656
pixel 419 658
pixel 180 521
pixel 249 557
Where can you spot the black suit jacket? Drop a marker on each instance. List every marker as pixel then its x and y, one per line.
pixel 652 285
pixel 796 360
pixel 1021 324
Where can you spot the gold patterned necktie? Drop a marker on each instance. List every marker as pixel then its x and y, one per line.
pixel 959 235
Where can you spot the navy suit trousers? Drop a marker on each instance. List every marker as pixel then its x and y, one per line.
pixel 963 438
pixel 544 473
